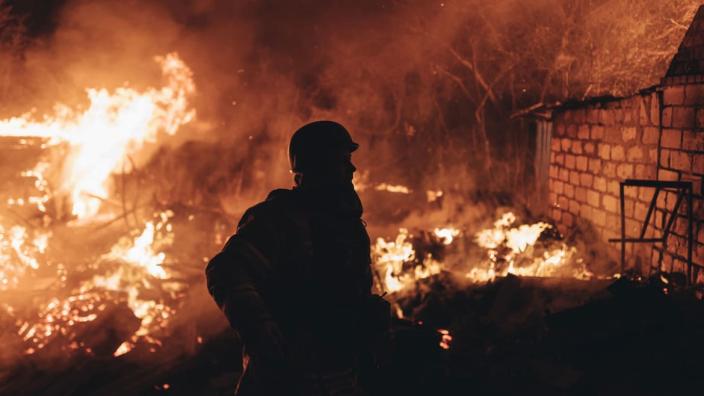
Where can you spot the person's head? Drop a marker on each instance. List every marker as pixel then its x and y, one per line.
pixel 320 154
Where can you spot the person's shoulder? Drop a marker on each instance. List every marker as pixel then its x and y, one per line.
pixel 270 210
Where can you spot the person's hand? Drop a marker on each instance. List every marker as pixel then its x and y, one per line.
pixel 266 343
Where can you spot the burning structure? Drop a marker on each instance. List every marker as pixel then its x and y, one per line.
pixel 110 207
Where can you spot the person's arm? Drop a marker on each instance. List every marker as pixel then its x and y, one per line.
pixel 235 276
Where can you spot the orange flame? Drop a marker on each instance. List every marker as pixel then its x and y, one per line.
pixel 114 126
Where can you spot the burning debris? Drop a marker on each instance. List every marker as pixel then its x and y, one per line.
pixel 94 144
pixel 534 250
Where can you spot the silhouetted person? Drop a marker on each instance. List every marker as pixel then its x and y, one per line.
pixel 295 280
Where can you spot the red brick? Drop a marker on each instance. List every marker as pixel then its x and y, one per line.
pixel 600 184
pixel 629 117
pixel 583 132
pixel 599 217
pixel 645 194
pixel 634 154
pixel 607 117
pixel 650 135
pixel 593 198
pixel 673 95
pixel 593 116
pixel 644 112
pixel 604 151
pixel 625 171
pixel 580 194
pixel 613 134
pixel 597 132
pixel 665 157
pixel 553 172
pixel 574 207
pixel 586 180
pixel 628 134
pixel 693 141
pixel 667 175
pixel 589 148
pixel 698 166
pixel 594 165
pixel 577 147
pixel 700 118
pixel 582 163
pixel 628 203
pixel 653 155
pixel 553 198
pixel 681 161
pixel 671 138
pixel 569 191
pixel 560 159
pixel 683 117
pixel 574 178
pixel 565 143
pixel 611 204
pixel 631 192
pixel 654 109
pixel 558 187
pixel 644 172
pixel 609 169
pixel 569 161
pixel 572 131
pixel 617 153
pixel 694 94
pixel 562 202
pixel 585 211
pixel 667 117
pixel 632 227
pixel 613 221
pixel 568 219
pixel 640 211
pixel 613 187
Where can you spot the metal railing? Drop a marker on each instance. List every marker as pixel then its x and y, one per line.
pixel 683 190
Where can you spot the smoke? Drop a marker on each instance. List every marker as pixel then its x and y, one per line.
pixel 426 87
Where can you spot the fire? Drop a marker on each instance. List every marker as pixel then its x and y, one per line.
pixel 98 140
pixel 18 254
pixel 508 253
pixel 114 126
pixel 398 263
pixel 509 249
pixel 138 273
pixel 447 235
pixel 393 188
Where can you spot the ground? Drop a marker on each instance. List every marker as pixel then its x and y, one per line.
pixel 515 335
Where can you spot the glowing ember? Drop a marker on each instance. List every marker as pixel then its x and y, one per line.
pixel 398 189
pixel 433 195
pixel 18 254
pixel 114 126
pixel 447 235
pixel 445 339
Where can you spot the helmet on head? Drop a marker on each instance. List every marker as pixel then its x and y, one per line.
pixel 310 143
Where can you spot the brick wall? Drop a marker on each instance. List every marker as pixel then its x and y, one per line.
pixel 594 146
pixel 681 157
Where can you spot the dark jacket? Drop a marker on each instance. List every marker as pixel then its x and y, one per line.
pixel 298 261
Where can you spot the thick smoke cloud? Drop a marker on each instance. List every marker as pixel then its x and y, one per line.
pixel 427 87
